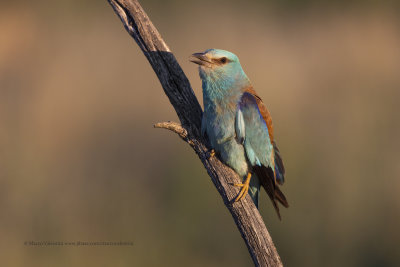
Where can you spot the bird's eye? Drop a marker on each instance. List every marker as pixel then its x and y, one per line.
pixel 223 60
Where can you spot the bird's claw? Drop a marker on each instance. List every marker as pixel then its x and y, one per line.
pixel 212 153
pixel 243 192
pixel 245 188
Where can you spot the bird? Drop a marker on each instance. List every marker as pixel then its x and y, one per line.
pixel 239 126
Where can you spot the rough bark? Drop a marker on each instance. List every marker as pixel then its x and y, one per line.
pixel 177 87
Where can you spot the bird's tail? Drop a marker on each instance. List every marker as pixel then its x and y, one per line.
pixel 272 189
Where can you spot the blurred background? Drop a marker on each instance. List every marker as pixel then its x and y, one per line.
pixel 80 160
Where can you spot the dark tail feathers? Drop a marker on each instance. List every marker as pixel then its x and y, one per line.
pixel 267 180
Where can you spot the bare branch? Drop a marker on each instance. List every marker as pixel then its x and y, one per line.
pixel 173 126
pixel 177 87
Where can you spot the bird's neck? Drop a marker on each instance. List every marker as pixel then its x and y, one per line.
pixel 223 93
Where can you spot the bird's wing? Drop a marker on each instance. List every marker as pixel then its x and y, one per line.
pixel 254 129
pixel 266 116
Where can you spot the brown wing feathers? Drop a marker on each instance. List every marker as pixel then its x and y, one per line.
pixel 264 112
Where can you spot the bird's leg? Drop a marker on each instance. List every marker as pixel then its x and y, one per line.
pixel 244 186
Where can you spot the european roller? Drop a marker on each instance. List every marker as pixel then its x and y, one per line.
pixel 239 126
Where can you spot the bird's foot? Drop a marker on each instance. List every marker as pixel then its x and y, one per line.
pixel 212 153
pixel 245 188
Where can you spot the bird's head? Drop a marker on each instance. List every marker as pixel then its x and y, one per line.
pixel 218 65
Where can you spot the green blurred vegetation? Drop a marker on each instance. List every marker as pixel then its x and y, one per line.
pixel 81 161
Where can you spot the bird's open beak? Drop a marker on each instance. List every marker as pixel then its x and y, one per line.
pixel 200 59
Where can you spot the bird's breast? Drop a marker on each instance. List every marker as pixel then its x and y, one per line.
pixel 220 125
pixel 220 129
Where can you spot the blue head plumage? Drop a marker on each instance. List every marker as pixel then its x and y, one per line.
pixel 220 71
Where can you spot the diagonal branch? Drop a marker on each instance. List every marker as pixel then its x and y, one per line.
pixel 177 87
